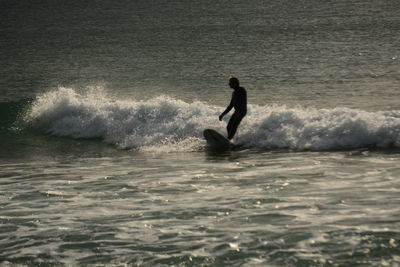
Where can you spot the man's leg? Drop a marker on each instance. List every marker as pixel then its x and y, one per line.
pixel 233 125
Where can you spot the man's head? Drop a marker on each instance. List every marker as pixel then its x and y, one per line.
pixel 233 82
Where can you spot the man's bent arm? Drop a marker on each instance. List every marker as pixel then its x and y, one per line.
pixel 226 110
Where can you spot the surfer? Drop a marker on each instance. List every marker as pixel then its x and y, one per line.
pixel 239 103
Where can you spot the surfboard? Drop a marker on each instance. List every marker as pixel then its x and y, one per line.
pixel 216 140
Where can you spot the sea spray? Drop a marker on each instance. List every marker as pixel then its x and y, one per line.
pixel 125 123
pixel 170 123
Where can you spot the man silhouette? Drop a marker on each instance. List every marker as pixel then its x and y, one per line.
pixel 239 103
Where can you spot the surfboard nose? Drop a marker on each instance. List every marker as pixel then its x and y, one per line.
pixel 216 140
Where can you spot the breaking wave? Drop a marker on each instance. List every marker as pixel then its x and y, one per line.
pixel 164 121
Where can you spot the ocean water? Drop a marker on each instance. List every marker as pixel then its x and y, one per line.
pixel 102 158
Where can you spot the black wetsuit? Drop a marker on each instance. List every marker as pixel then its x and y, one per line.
pixel 239 102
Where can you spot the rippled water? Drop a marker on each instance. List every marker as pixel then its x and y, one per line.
pixel 243 207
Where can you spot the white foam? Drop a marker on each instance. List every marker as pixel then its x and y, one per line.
pixel 320 129
pixel 166 122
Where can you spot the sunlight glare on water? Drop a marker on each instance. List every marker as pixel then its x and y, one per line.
pixel 138 208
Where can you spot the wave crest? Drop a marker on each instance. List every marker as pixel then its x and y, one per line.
pixel 166 121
